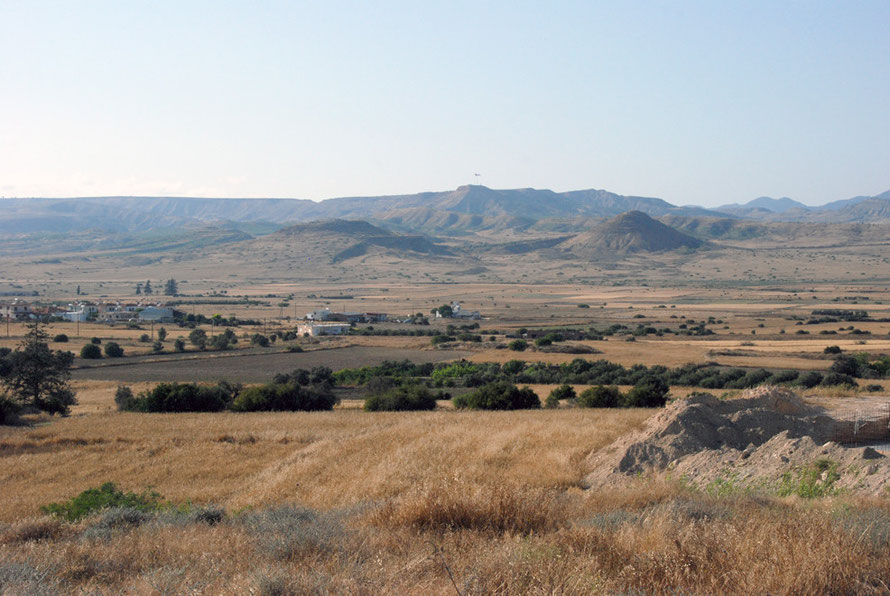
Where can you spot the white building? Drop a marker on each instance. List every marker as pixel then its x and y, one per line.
pixel 322 328
pixel 458 313
pixel 15 310
pixel 319 315
pixel 80 312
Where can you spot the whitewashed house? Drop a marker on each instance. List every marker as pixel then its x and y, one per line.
pixel 322 328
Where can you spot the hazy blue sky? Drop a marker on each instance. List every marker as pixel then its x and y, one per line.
pixel 695 102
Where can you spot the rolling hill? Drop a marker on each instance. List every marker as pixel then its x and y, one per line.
pixel 630 232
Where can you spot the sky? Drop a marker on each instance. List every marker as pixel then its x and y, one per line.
pixel 694 102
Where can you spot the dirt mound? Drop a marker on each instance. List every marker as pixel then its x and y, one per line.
pixel 761 439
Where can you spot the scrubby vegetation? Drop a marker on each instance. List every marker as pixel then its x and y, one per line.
pixel 301 390
pixel 402 398
pixel 601 372
pixel 106 496
pixel 498 396
pixel 91 352
pixel 176 397
pixel 305 390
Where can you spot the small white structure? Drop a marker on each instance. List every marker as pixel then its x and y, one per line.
pixel 322 328
pixel 319 315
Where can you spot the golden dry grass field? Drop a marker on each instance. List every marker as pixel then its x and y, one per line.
pixel 437 502
pixel 416 503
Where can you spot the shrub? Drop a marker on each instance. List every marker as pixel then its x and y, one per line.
pixel 198 338
pixel 651 392
pixel 9 409
pixel 61 338
pixel 404 398
pixel 95 340
pixel 289 396
pixel 441 339
pixel 518 345
pixel 123 397
pixel 292 533
pixel 835 378
pixel 222 341
pixel 91 352
pixel 179 344
pixel 106 496
pixel 499 395
pixel 113 350
pixel 184 397
pixel 783 376
pixel 144 338
pixel 600 397
pixel 874 388
pixel 157 347
pixel 809 379
pixel 564 391
pixel 543 341
pixel 846 365
pixel 258 339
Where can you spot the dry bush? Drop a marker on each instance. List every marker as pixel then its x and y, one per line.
pixel 460 505
pixel 44 528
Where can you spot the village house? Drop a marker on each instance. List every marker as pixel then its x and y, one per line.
pixel 458 313
pixel 15 310
pixel 80 312
pixel 319 315
pixel 314 329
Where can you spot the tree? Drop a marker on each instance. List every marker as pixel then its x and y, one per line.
pixel 37 376
pixel 78 290
pixel 91 352
pixel 170 288
pixel 198 338
pixel 147 288
pixel 600 397
pixel 138 289
pixel 445 311
pixel 499 395
pixel 162 334
pixel 179 344
pixel 113 350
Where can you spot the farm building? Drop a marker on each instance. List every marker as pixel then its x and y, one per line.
pixel 322 328
pixel 319 315
pixel 15 310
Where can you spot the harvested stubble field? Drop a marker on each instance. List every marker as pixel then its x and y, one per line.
pixel 418 503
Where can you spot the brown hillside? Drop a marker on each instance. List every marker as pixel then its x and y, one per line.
pixel 630 232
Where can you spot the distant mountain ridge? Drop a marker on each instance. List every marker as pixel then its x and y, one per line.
pixel 467 209
pixel 862 209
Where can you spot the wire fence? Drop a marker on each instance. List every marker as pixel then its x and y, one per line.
pixel 863 425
